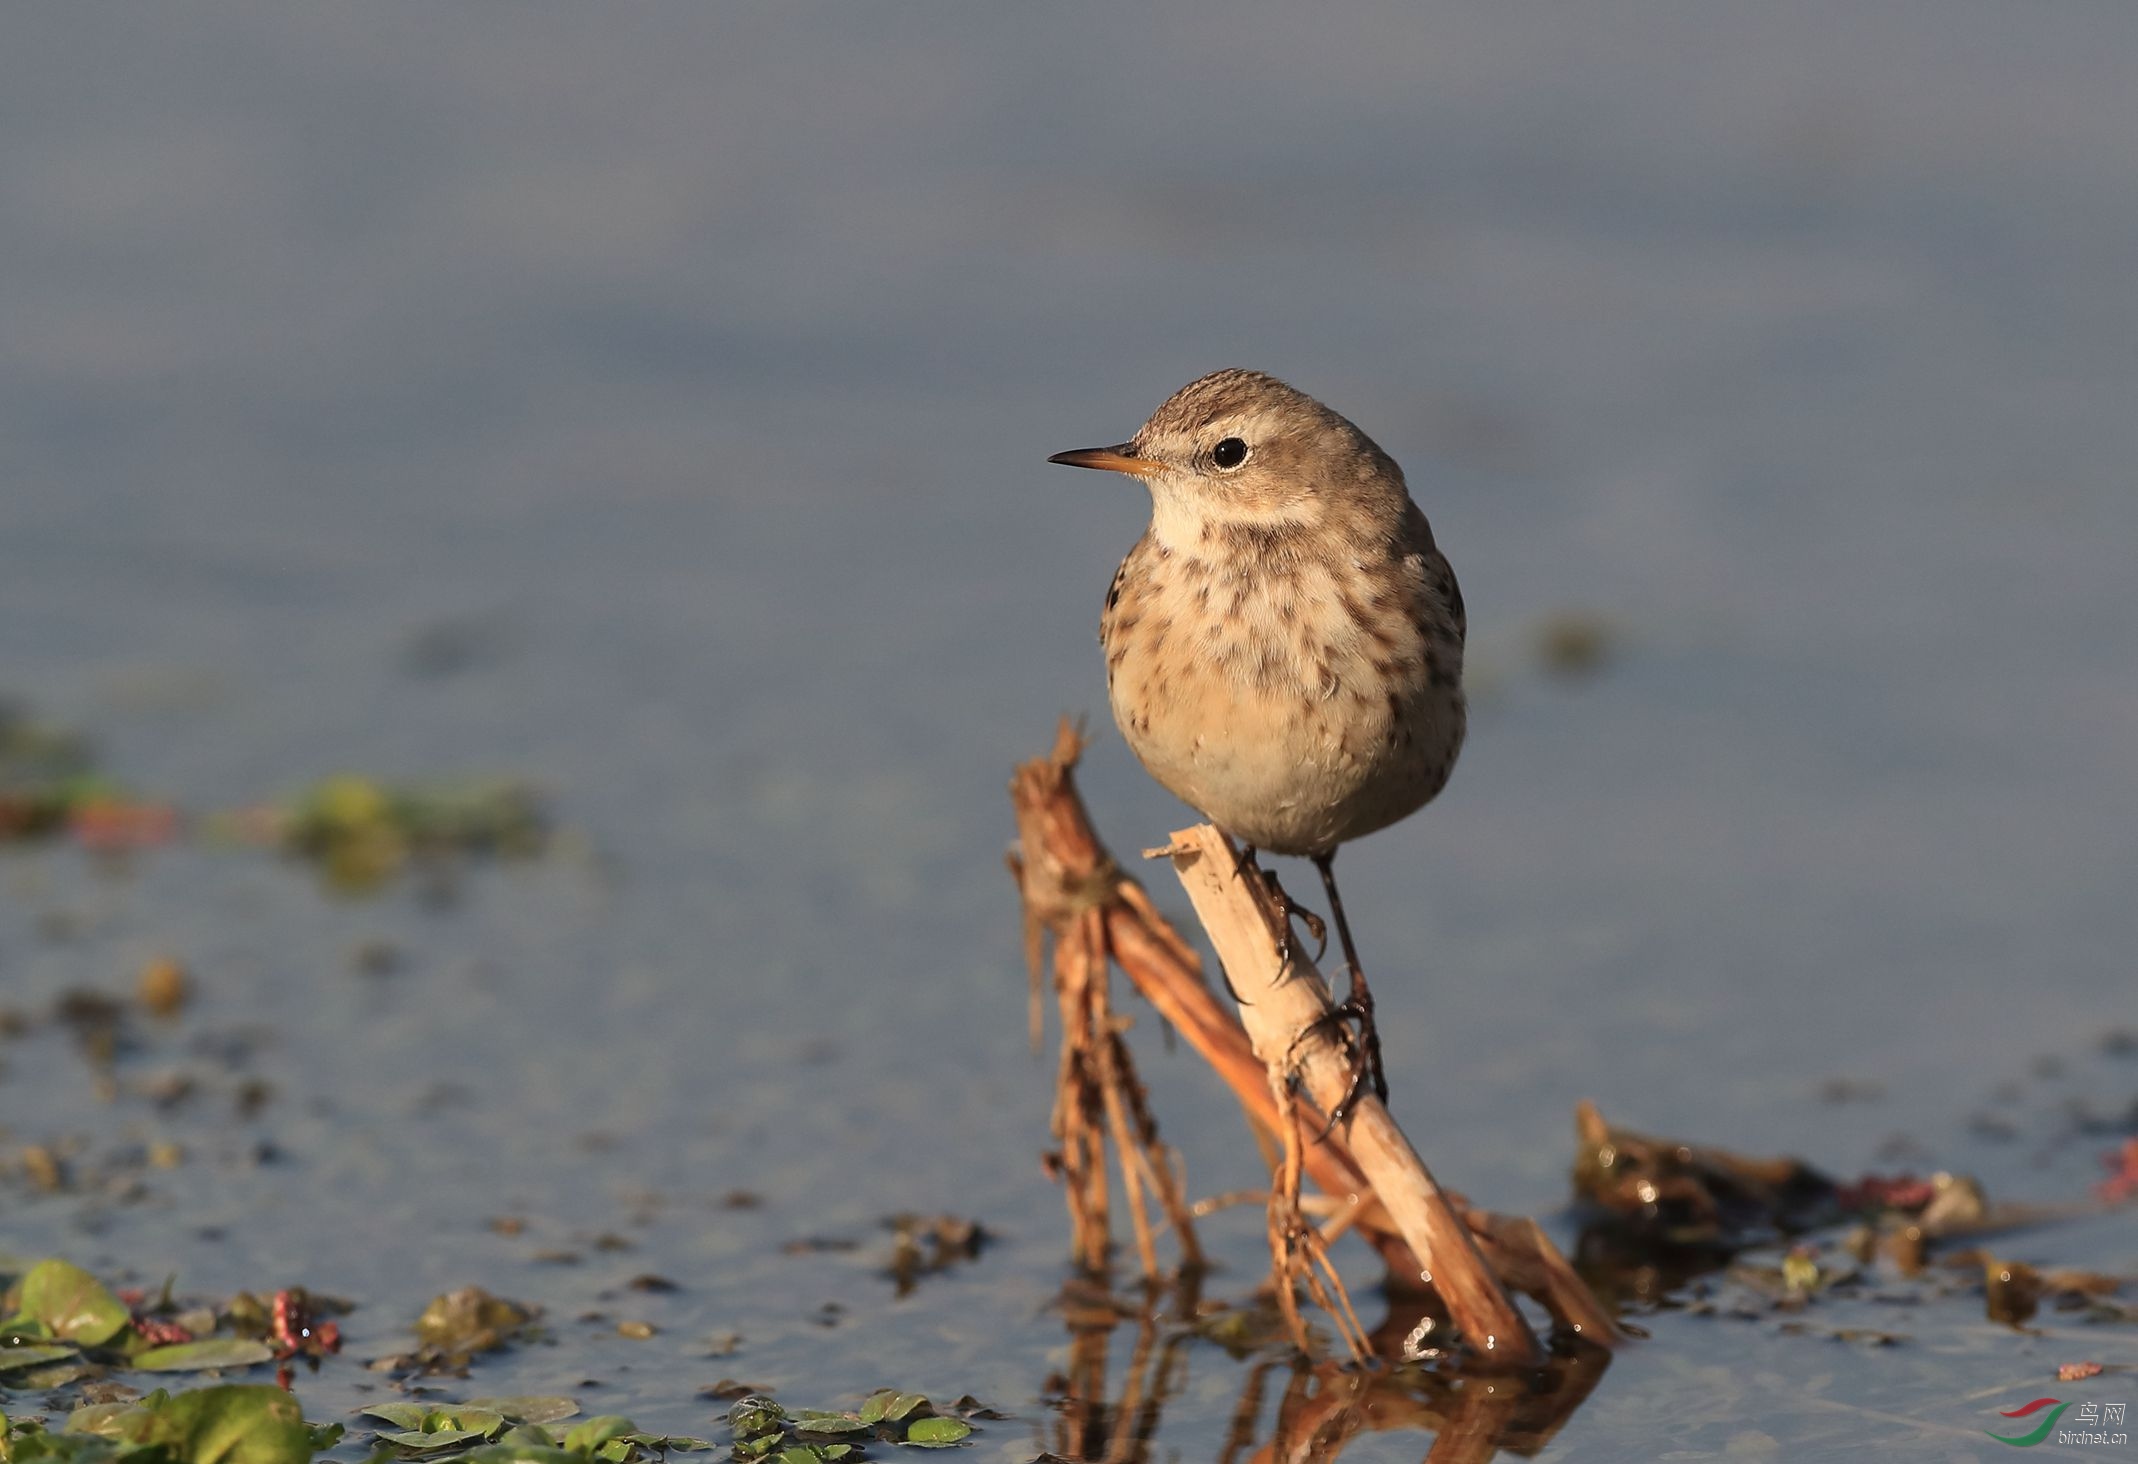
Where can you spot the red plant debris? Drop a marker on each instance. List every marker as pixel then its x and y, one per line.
pixel 108 825
pixel 2072 1372
pixel 1886 1192
pixel 294 1329
pixel 154 1330
pixel 2122 1181
pixel 159 1333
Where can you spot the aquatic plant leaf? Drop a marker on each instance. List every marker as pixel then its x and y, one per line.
pixel 937 1433
pixel 233 1424
pixel 401 1415
pixel 755 1416
pixel 207 1353
pixel 35 1446
pixel 73 1303
pixel 888 1405
pixel 12 1358
pixel 528 1408
pixel 418 1441
pixel 469 1320
pixel 599 1430
pixel 428 1430
pixel 528 1435
pixel 102 1418
pixel 821 1421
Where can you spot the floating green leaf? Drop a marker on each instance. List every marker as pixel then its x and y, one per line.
pixel 12 1358
pixel 72 1303
pixel 820 1421
pixel 430 1431
pixel 460 1323
pixel 888 1405
pixel 937 1433
pixel 227 1425
pixel 755 1416
pixel 415 1440
pixel 210 1352
pixel 598 1430
pixel 401 1415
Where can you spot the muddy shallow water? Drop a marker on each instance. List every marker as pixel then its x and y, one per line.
pixel 655 408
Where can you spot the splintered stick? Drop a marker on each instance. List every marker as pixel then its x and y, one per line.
pixel 1061 868
pixel 1065 875
pixel 1282 1010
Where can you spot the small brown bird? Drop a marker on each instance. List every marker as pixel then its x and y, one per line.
pixel 1284 644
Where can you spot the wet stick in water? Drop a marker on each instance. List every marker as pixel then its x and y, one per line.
pixel 1283 1013
pixel 1062 867
pixel 1073 892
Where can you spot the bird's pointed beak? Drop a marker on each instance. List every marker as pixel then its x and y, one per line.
pixel 1115 459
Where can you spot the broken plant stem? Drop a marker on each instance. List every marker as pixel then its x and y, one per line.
pixel 1283 1011
pixel 1063 871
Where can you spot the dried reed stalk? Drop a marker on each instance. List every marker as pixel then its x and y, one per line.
pixel 1097 1095
pixel 1065 874
pixel 1282 1009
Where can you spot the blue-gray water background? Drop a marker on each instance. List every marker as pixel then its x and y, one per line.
pixel 698 368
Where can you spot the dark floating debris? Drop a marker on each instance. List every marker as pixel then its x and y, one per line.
pixel 1573 643
pixel 360 834
pixel 50 785
pixel 925 1246
pixel 1665 1214
pixel 1673 1193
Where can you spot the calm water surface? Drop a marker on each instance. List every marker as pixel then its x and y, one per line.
pixel 695 373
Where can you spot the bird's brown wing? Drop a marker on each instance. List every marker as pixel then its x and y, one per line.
pixel 1437 576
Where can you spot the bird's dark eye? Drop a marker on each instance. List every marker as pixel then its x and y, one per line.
pixel 1229 453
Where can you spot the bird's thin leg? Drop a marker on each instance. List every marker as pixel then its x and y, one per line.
pixel 1244 865
pixel 1356 1006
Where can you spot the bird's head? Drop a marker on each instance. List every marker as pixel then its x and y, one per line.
pixel 1239 447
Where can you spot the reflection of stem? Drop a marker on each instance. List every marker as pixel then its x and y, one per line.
pixel 1314 1427
pixel 1245 1413
pixel 1091 1426
pixel 1483 1414
pixel 1324 1406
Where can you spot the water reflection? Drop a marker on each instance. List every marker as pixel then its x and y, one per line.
pixel 1129 1356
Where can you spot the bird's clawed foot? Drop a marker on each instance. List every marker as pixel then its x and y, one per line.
pixel 1362 1041
pixel 1357 1006
pixel 1293 910
pixel 1248 866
